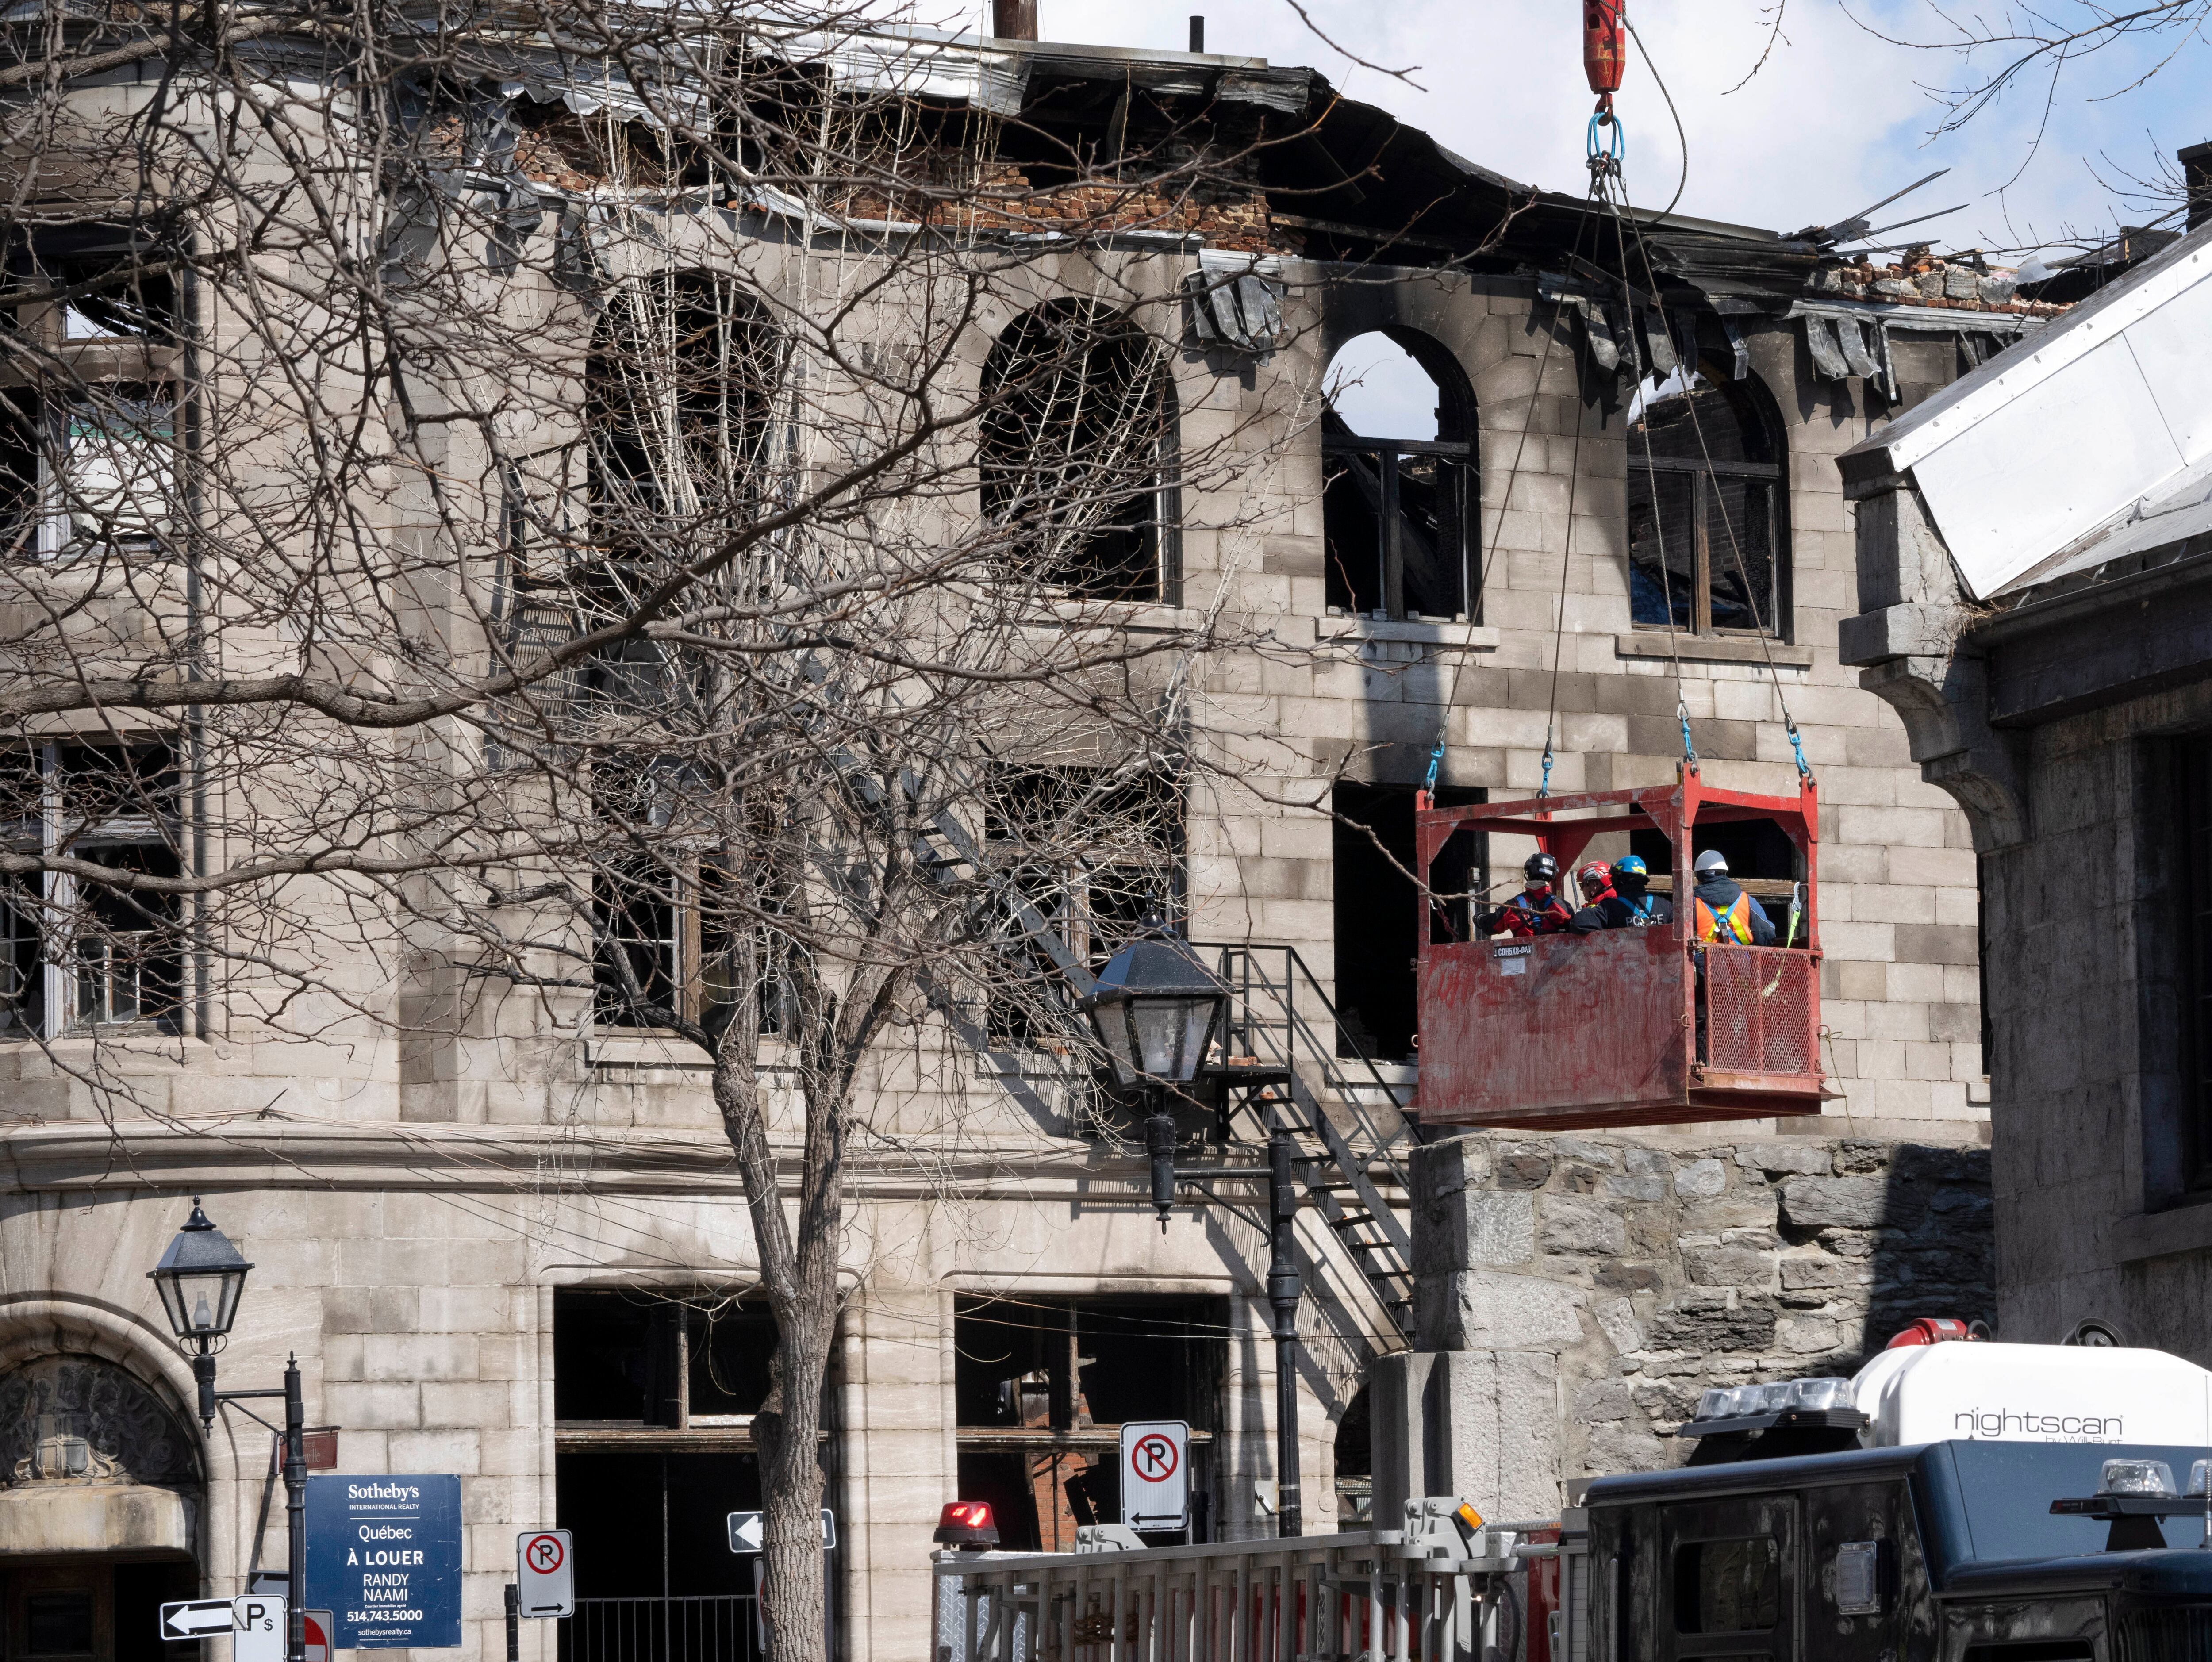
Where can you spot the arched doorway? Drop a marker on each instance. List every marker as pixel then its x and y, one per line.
pixel 100 1512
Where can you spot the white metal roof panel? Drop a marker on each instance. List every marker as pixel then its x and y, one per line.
pixel 2054 437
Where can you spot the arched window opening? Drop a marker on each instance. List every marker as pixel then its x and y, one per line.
pixel 679 386
pixel 1705 530
pixel 1078 452
pixel 678 392
pixel 1399 497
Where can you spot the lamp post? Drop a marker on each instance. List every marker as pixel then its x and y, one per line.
pixel 200 1279
pixel 1157 1011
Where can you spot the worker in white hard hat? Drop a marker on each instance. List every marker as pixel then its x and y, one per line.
pixel 1724 912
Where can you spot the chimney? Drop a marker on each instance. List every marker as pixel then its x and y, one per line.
pixel 1197 34
pixel 2197 177
pixel 1014 19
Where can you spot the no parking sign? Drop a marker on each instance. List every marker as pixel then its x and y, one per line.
pixel 1155 1474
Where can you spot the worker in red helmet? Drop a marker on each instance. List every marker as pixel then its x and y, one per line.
pixel 1628 902
pixel 1595 881
pixel 1536 910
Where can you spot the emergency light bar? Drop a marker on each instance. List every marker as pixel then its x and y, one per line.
pixel 1927 1392
pixel 1731 1411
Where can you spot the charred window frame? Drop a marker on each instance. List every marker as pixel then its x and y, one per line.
pixel 89 413
pixel 1399 515
pixel 1102 857
pixel 1043 1384
pixel 1078 457
pixel 82 954
pixel 692 941
pixel 1708 531
pixel 676 457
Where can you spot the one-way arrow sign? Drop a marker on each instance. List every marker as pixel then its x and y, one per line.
pixel 196 1617
pixel 746 1529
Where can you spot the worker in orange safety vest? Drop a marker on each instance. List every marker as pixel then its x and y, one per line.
pixel 1724 912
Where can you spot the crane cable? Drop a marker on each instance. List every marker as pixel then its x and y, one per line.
pixel 1736 548
pixel 1490 555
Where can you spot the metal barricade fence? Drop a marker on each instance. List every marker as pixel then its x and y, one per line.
pixel 1311 1598
pixel 724 1629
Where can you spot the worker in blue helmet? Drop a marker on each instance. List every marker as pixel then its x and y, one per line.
pixel 1631 905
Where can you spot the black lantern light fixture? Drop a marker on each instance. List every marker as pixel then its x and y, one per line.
pixel 1155 1010
pixel 201 1279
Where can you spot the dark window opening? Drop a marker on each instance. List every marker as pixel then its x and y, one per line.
pixel 79 952
pixel 2193 799
pixel 655 1576
pixel 1042 1386
pixel 1706 527
pixel 1355 1465
pixel 1100 856
pixel 1398 509
pixel 58 1624
pixel 1376 906
pixel 651 1391
pixel 678 390
pixel 1728 1586
pixel 646 1359
pixel 88 455
pixel 686 943
pixel 677 455
pixel 1078 454
pixel 639 965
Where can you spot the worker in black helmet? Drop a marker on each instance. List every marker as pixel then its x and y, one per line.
pixel 1724 912
pixel 1537 909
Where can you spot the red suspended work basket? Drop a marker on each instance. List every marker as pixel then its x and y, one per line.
pixel 1618 1027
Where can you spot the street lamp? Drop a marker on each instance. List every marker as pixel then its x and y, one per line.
pixel 200 1280
pixel 1156 1009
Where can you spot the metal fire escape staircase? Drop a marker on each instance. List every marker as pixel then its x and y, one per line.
pixel 1350 1120
pixel 1351 1117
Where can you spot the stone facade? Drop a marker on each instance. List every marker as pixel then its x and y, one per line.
pixel 1576 1294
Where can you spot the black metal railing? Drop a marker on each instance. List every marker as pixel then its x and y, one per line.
pixel 724 1629
pixel 1280 1014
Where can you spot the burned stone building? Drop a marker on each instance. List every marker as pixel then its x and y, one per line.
pixel 1598 517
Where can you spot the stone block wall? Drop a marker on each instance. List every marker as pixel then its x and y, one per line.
pixel 1635 1273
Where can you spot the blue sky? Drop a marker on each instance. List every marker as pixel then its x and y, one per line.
pixel 1837 118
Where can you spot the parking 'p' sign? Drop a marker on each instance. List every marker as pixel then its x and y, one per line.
pixel 545 1573
pixel 1155 1474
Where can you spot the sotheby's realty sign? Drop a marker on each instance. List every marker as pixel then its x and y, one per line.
pixel 384 1557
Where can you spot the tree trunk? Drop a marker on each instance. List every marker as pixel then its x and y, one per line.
pixel 800 1276
pixel 795 1592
